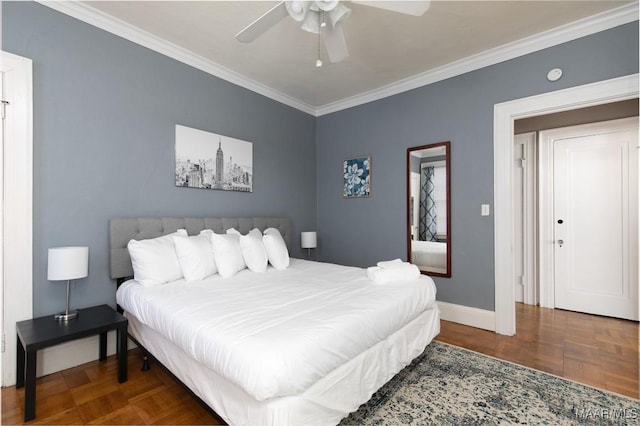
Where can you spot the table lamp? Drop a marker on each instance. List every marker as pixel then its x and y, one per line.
pixel 309 240
pixel 67 263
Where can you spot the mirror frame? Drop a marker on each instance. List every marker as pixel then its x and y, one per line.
pixel 447 148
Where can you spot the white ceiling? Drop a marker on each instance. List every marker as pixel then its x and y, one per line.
pixel 388 52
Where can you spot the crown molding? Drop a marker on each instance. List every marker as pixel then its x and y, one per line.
pixel 136 35
pixel 581 28
pixel 572 31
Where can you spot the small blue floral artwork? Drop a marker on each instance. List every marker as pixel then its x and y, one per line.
pixel 357 177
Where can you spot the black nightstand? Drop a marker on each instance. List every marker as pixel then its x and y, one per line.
pixel 40 333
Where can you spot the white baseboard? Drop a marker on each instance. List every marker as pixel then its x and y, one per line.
pixel 519 293
pixel 467 315
pixel 71 354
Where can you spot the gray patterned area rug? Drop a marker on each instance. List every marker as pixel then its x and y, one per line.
pixel 448 385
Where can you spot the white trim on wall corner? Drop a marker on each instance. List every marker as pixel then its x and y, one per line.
pixel 474 317
pixel 581 28
pixel 17 205
pixel 563 34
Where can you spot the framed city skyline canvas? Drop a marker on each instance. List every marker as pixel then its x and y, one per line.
pixel 211 161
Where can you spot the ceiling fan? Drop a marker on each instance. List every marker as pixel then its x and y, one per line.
pixel 324 17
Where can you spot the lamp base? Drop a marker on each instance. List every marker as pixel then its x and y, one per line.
pixel 64 316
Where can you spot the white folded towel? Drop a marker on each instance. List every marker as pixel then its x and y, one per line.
pixel 392 264
pixel 380 275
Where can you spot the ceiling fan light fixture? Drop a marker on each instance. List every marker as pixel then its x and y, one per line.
pixel 339 14
pixel 298 10
pixel 326 5
pixel 311 22
pixel 312 16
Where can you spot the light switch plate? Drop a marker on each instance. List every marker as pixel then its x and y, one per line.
pixel 485 210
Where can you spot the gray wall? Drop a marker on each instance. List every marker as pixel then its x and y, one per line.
pixel 104 116
pixel 105 111
pixel 363 231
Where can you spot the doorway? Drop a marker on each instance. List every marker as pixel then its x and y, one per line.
pixel 587 238
pixel 505 114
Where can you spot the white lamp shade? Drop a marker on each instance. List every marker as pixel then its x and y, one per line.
pixel 309 239
pixel 68 263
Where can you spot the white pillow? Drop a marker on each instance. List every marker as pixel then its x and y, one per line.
pixel 195 256
pixel 276 248
pixel 226 253
pixel 233 231
pixel 253 251
pixel 154 260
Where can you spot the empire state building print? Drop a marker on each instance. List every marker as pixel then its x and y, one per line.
pixel 210 161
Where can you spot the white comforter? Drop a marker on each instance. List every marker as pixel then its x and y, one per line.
pixel 276 333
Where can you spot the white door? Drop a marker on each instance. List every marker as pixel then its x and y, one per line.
pixel 595 224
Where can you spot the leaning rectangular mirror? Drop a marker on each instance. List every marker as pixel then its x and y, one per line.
pixel 429 208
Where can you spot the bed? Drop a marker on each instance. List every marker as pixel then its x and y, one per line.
pixel 307 344
pixel 429 255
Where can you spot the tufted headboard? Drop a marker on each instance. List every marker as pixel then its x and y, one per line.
pixel 123 229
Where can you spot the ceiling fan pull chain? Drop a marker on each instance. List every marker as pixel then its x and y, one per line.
pixel 319 60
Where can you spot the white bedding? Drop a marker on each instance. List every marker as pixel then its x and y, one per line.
pixel 277 333
pixel 325 403
pixel 429 254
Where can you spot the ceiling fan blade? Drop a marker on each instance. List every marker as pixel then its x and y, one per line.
pixel 415 8
pixel 263 23
pixel 334 43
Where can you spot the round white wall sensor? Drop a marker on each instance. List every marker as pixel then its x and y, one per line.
pixel 554 74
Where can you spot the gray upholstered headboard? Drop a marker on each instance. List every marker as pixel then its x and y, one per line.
pixel 123 229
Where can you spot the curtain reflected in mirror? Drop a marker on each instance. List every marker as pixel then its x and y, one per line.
pixel 428 210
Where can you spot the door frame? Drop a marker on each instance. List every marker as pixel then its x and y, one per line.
pixel 17 209
pixel 527 283
pixel 602 92
pixel 546 199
